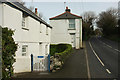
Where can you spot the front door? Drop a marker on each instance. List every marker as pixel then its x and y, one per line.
pixel 73 40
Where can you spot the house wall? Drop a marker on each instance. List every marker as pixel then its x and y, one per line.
pixel 1 14
pixel 32 37
pixel 61 32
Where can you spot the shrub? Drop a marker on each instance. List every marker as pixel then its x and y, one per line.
pixel 66 52
pixel 8 52
pixel 61 50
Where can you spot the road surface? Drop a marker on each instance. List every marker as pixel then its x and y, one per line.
pixel 102 57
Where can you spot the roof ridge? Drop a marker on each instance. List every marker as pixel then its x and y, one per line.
pixel 63 16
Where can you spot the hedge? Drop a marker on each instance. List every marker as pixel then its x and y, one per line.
pixel 65 53
pixel 61 50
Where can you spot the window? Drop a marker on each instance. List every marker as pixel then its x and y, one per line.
pixel 72 23
pixel 24 21
pixel 24 50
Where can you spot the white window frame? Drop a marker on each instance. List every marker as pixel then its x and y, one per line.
pixel 24 53
pixel 71 24
pixel 24 21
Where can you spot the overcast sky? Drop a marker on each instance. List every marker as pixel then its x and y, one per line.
pixel 51 9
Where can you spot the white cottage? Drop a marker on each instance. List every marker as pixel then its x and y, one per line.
pixel 31 33
pixel 67 28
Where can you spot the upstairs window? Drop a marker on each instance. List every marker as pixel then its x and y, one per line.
pixel 24 50
pixel 24 21
pixel 72 23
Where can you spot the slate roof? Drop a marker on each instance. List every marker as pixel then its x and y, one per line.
pixel 22 8
pixel 66 15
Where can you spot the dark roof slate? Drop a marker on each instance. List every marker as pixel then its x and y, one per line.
pixel 24 9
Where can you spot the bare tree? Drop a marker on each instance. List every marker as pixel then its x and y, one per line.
pixel 88 19
pixel 88 15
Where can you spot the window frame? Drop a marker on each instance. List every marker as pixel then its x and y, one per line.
pixel 71 23
pixel 24 21
pixel 24 53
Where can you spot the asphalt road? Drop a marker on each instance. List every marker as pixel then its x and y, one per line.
pixel 103 58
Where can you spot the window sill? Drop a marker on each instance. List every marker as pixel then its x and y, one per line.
pixel 25 28
pixel 71 29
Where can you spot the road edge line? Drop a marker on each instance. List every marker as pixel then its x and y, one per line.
pixel 89 77
pixel 96 54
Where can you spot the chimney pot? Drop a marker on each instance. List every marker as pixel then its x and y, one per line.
pixel 36 11
pixel 67 7
pixel 67 10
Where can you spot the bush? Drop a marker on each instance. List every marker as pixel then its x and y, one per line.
pixel 61 50
pixel 66 52
pixel 57 48
pixel 8 53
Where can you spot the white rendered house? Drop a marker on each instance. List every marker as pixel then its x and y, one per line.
pixel 67 28
pixel 31 33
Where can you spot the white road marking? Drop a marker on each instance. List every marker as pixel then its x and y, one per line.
pixel 108 45
pixel 96 54
pixel 87 62
pixel 117 50
pixel 108 71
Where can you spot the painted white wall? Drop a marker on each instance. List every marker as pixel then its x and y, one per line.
pixel 32 37
pixel 1 14
pixel 61 32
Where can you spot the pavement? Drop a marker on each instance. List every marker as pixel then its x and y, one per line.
pixel 74 67
pixel 97 60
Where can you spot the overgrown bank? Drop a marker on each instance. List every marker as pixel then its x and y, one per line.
pixel 59 54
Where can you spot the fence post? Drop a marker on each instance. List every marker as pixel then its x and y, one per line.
pixel 31 62
pixel 49 62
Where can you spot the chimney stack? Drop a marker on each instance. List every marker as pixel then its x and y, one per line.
pixel 36 11
pixel 67 10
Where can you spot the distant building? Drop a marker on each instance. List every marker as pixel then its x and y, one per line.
pixel 67 28
pixel 32 35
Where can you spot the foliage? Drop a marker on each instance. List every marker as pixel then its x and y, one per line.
pixel 8 52
pixel 57 48
pixel 98 32
pixel 88 19
pixel 108 22
pixel 61 50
